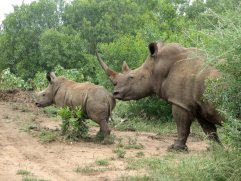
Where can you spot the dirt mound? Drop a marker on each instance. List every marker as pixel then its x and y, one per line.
pixel 16 96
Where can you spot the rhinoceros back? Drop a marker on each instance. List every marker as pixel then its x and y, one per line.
pixel 94 100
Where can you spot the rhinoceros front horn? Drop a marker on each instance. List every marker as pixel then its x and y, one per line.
pixel 111 73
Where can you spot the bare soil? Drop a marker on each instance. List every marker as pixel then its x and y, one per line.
pixel 57 161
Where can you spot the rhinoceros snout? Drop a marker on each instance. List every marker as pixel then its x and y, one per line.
pixel 37 104
pixel 117 95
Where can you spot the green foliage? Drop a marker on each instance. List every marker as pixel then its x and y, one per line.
pixel 74 124
pixel 151 107
pixel 39 82
pixel 10 81
pixel 72 74
pixel 224 43
pixel 132 49
pixel 21 31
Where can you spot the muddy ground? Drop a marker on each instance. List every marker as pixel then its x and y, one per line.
pixel 58 160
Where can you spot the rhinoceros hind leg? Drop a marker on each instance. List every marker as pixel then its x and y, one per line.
pixel 209 129
pixel 183 120
pixel 104 129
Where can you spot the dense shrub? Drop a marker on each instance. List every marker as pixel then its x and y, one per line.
pixel 224 44
pixel 11 81
pixel 74 124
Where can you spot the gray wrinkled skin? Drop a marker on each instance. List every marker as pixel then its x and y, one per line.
pixel 177 75
pixel 95 100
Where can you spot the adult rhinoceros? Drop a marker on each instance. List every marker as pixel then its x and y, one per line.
pixel 177 75
pixel 95 100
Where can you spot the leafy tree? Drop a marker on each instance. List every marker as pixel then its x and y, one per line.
pixel 21 31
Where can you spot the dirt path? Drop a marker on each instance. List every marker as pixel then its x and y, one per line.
pixel 58 161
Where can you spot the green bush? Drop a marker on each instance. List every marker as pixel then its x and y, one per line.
pixel 224 44
pixel 10 81
pixel 74 124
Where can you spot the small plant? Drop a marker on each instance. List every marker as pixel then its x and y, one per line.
pixel 27 127
pixel 88 170
pixel 47 136
pixel 28 176
pixel 120 152
pixel 33 178
pixel 120 143
pixel 132 144
pixel 135 178
pixel 51 111
pixel 24 109
pixel 140 154
pixel 74 124
pixel 102 162
pixel 23 172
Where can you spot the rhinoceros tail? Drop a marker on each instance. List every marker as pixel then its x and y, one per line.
pixel 111 104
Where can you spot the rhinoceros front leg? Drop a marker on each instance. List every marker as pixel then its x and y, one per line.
pixel 183 120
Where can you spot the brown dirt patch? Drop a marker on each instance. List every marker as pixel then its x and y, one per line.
pixel 58 160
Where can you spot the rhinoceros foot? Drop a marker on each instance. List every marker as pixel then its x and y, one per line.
pixel 178 147
pixel 108 140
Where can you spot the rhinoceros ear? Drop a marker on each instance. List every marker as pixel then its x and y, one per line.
pixel 125 67
pixel 51 77
pixel 153 48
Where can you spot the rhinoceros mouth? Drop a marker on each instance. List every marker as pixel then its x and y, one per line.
pixel 119 97
pixel 38 104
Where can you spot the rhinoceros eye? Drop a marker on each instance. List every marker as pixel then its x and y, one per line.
pixel 131 77
pixel 43 94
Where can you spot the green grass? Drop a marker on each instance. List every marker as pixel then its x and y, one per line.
pixel 48 135
pixel 120 152
pixel 28 126
pixel 89 170
pixel 133 144
pixel 102 162
pixel 135 178
pixel 33 178
pixel 218 165
pixel 23 172
pixel 28 176
pixel 51 111
pixel 140 154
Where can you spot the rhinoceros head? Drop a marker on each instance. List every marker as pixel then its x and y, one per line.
pixel 132 84
pixel 45 98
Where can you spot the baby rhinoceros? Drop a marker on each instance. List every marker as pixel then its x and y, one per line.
pixel 95 100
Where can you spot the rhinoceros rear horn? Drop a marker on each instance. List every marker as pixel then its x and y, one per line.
pixel 111 73
pixel 50 76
